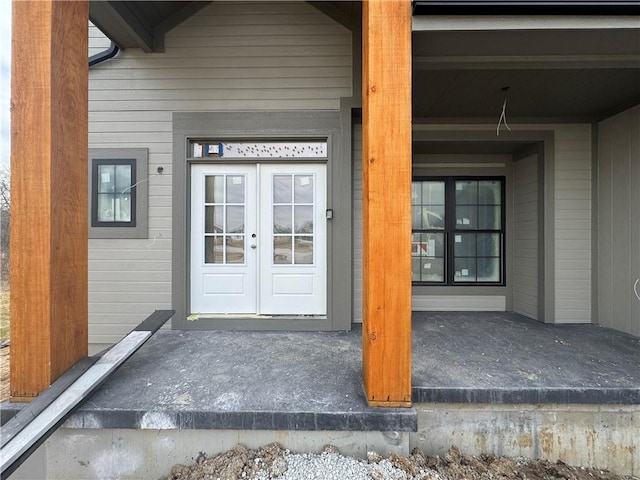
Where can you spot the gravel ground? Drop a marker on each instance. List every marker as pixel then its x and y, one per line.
pixel 274 462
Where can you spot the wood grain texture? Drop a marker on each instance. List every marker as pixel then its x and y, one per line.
pixel 49 192
pixel 386 94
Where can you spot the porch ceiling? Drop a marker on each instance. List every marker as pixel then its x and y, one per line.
pixel 554 74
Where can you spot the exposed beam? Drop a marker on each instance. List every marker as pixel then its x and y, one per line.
pixel 525 62
pixel 120 16
pixel 49 192
pixel 338 14
pixel 386 160
pixel 186 11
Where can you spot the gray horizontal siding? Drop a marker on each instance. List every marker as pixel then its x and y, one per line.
pixel 525 237
pixel 229 56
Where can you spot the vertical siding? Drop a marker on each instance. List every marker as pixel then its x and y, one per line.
pixel 619 221
pixel 525 237
pixel 357 223
pixel 229 56
pixel 572 176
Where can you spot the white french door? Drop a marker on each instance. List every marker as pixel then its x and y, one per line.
pixel 258 239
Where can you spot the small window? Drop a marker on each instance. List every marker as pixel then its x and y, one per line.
pixel 458 231
pixel 118 193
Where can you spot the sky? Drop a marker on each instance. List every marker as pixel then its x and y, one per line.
pixel 5 80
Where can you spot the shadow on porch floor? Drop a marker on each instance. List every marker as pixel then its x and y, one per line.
pixel 312 381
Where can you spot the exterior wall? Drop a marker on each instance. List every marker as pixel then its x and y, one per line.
pixel 357 223
pixel 619 221
pixel 572 197
pixel 97 40
pixel 227 57
pixel 526 234
pixel 567 187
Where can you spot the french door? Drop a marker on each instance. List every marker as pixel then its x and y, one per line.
pixel 258 239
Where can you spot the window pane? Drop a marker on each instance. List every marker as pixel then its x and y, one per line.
pixel 303 216
pixel 465 245
pixel 416 217
pixel 303 192
pixel 106 178
pixel 282 189
pixel 235 189
pixel 433 217
pixel 416 197
pixel 432 269
pixel 282 219
pixel 106 208
pixel 235 219
pixel 123 207
pixel 489 217
pixel 415 269
pixel 213 249
pixel 282 251
pixel 431 245
pixel 488 269
pixel 214 189
pixel 465 270
pixel 235 249
pixel 466 192
pixel 488 244
pixel 304 250
pixel 123 178
pixel 466 217
pixel 213 220
pixel 433 193
pixel 489 192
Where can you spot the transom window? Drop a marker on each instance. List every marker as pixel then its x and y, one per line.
pixel 458 230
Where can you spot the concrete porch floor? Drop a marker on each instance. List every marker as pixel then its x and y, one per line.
pixel 312 381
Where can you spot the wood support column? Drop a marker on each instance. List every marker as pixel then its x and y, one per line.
pixel 386 123
pixel 48 192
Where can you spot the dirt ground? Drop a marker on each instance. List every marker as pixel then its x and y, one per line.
pixel 273 461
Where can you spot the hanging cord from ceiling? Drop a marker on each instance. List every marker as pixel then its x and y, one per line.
pixel 503 115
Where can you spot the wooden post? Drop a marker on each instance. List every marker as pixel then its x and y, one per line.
pixel 386 109
pixel 48 192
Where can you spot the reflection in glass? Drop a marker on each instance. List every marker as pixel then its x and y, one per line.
pixel 106 175
pixel 303 192
pixel 123 178
pixel 432 269
pixel 466 217
pixel 466 192
pixel 235 249
pixel 213 219
pixel 488 269
pixel 465 245
pixel 214 189
pixel 282 189
pixel 282 250
pixel 303 219
pixel 489 192
pixel 488 244
pixel 464 270
pixel 489 217
pixel 235 219
pixel 304 250
pixel 106 208
pixel 235 189
pixel 213 251
pixel 282 221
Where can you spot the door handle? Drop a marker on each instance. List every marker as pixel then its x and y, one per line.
pixel 635 288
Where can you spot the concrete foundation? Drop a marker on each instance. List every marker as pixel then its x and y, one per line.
pixel 599 436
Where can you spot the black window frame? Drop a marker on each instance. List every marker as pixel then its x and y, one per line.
pixel 450 230
pixel 96 163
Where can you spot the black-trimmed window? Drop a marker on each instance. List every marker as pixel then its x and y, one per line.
pixel 458 230
pixel 114 193
pixel 118 192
